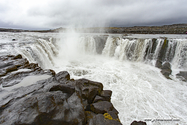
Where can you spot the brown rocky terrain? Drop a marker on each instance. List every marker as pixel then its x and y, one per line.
pixel 166 29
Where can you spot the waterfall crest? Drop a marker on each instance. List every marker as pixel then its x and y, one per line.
pixel 148 50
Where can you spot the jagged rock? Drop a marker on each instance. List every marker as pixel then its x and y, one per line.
pixel 10 68
pixel 18 56
pixel 105 119
pixel 63 88
pixel 182 75
pixel 2 64
pixel 158 63
pixel 89 93
pixel 89 89
pixel 101 107
pixel 166 70
pixel 53 101
pixel 98 98
pixel 62 76
pixel 138 123
pixel 106 94
pixel 45 109
pixel 17 68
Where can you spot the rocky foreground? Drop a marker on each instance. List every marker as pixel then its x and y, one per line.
pixel 55 100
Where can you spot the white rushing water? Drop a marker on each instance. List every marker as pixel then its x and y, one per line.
pixel 140 91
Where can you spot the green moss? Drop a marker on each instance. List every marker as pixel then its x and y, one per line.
pixel 109 117
pixel 92 108
pixel 165 43
pixel 88 115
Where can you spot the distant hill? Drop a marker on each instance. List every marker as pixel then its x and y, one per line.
pixel 166 29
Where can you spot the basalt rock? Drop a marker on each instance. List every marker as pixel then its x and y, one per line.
pixel 138 123
pixel 55 100
pixel 182 75
pixel 13 69
pixel 166 70
pixel 158 64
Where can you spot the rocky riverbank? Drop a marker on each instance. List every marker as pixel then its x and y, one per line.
pixel 33 96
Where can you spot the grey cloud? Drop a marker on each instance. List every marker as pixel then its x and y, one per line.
pixel 65 13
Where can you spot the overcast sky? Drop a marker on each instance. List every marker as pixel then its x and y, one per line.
pixel 49 14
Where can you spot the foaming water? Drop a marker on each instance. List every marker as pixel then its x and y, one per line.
pixel 139 90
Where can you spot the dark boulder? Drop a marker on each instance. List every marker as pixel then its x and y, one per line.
pixel 158 63
pixel 101 107
pixel 104 119
pixel 166 70
pixel 106 94
pixel 63 88
pixel 99 98
pixel 18 57
pixel 138 123
pixel 182 75
pixel 62 76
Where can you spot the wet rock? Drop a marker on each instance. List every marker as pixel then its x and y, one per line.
pixel 138 123
pixel 33 66
pixel 106 94
pixel 53 101
pixel 63 88
pixel 99 98
pixel 2 64
pixel 45 108
pixel 102 107
pixel 20 62
pixel 89 93
pixel 166 70
pixel 158 64
pixel 182 75
pixel 105 119
pixel 11 68
pixel 62 76
pixel 49 72
pixel 89 116
pixel 18 57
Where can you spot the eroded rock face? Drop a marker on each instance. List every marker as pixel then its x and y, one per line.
pixel 56 100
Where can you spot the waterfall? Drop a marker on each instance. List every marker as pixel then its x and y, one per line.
pixel 180 55
pixel 124 64
pixel 38 50
pixel 148 50
pixel 41 51
pixel 87 45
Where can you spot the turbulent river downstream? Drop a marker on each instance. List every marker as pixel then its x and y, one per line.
pixel 124 64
